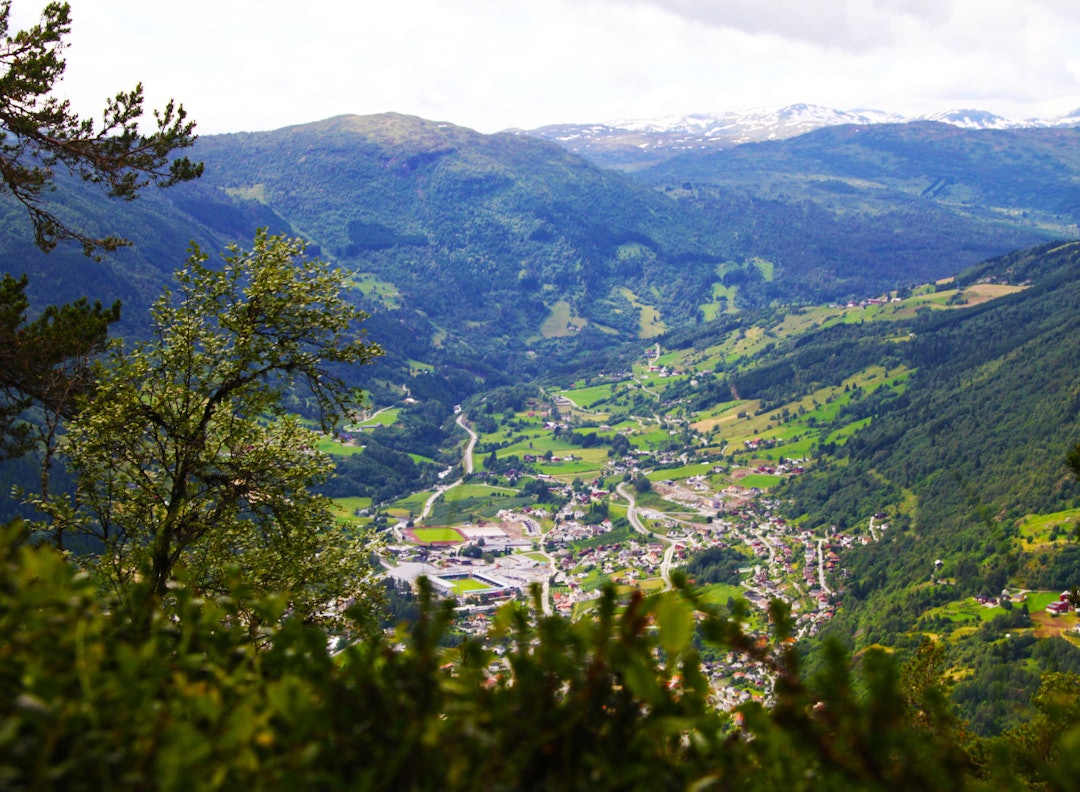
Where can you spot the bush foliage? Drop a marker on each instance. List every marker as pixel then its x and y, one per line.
pixel 95 696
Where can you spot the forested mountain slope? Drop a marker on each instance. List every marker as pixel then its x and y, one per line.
pixel 501 244
pixel 484 234
pixel 977 441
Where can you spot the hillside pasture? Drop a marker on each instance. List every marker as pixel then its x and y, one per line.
pixel 1035 530
pixel 588 396
pixel 984 292
pixel 345 509
pixel 759 481
pixel 387 417
pixel 334 448
pixel 559 321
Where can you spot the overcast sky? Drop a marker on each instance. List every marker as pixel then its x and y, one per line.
pixel 240 65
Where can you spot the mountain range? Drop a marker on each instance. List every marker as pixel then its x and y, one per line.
pixel 631 144
pixel 471 248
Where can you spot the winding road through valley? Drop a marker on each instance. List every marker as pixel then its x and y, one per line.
pixel 466 464
pixel 631 515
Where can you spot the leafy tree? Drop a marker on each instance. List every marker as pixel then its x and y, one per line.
pixel 185 454
pixel 39 132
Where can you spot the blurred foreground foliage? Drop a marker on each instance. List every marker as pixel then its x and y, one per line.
pixel 93 696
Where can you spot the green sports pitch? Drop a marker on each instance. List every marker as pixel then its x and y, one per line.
pixel 427 535
pixel 468 585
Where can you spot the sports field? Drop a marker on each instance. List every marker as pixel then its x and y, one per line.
pixel 429 535
pixel 468 585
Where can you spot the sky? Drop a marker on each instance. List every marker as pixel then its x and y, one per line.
pixel 247 65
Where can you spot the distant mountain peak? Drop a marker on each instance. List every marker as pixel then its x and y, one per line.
pixel 974 119
pixel 635 143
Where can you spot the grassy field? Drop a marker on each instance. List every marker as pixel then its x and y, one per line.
pixel 586 397
pixel 469 585
pixel 382 418
pixel 650 324
pixel 720 593
pixel 467 491
pixel 1035 529
pixel 1038 600
pixel 437 535
pixel 697 469
pixel 345 508
pixel 334 448
pixel 371 286
pixel 719 292
pixel 414 503
pixel 759 480
pixel 557 322
pixel 966 611
pixel 579 468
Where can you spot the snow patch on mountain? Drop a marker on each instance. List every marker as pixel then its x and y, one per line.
pixel 636 142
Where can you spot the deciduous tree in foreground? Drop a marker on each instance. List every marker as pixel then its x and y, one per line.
pixel 186 455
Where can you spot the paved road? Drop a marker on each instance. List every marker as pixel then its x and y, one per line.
pixel 466 463
pixel 821 566
pixel 631 515
pixel 468 458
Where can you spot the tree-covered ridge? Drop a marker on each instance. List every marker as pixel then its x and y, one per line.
pixel 987 169
pixel 500 225
pixel 844 211
pixel 976 442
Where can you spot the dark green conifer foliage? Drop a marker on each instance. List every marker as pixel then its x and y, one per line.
pixel 44 363
pixel 39 132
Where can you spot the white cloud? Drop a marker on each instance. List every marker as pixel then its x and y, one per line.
pixel 257 64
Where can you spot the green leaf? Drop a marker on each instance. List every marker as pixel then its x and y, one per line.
pixel 675 618
pixel 640 678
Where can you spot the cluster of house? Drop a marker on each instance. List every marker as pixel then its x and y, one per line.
pixel 1062 605
pixel 573 557
pixel 735 680
pixel 867 302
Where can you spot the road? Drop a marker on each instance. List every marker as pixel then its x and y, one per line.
pixel 631 515
pixel 466 464
pixel 467 461
pixel 821 566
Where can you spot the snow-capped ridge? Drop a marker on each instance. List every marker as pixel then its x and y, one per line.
pixel 637 142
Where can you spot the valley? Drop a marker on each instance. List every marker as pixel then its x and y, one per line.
pixel 625 475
